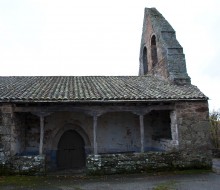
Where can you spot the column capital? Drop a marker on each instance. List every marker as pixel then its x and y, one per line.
pixel 41 114
pixel 141 112
pixel 95 113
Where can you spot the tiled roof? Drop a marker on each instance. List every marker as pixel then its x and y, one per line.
pixel 93 88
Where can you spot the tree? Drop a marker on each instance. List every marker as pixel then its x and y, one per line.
pixel 214 118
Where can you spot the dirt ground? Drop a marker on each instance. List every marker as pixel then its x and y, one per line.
pixel 168 181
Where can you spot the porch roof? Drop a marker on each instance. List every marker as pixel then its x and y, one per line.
pixel 93 88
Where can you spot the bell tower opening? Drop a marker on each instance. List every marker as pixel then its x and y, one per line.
pixel 154 58
pixel 145 62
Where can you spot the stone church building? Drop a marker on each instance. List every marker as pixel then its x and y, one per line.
pixel 157 120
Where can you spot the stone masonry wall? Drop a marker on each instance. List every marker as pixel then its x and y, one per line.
pixel 171 64
pixel 194 131
pixel 12 131
pixel 193 127
pixel 23 165
pixel 6 128
pixel 142 162
pixel 12 144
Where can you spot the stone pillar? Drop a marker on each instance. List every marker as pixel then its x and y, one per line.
pixel 41 115
pixel 141 119
pixel 174 129
pixel 95 114
pixel 95 149
pixel 141 114
pixel 41 135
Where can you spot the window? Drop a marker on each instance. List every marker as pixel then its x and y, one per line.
pixel 145 63
pixel 154 51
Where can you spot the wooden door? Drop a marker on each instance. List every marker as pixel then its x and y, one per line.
pixel 71 152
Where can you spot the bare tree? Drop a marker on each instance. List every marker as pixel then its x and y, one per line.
pixel 214 118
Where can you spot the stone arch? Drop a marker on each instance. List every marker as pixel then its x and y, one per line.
pixel 153 43
pixel 68 127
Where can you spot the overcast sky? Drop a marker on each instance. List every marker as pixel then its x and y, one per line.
pixel 98 37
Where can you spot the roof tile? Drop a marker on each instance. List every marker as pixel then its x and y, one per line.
pixel 92 88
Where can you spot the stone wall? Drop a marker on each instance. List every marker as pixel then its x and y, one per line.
pixel 23 165
pixel 12 131
pixel 118 132
pixel 194 130
pixel 6 126
pixel 143 162
pixel 193 127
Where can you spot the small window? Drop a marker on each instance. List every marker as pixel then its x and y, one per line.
pixel 145 63
pixel 154 51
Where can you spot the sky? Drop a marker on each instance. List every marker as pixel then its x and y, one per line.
pixel 69 37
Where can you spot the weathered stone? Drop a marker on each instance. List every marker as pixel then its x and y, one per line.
pixel 24 165
pixel 144 162
pixel 161 54
pixel 216 165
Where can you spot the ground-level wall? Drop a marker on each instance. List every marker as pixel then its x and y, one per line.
pixel 144 162
pixel 28 165
pixel 193 128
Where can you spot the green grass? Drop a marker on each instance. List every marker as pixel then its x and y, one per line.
pixel 192 171
pixel 170 185
pixel 34 182
pixel 24 181
pixel 181 172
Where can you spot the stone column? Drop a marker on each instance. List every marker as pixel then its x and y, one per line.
pixel 41 135
pixel 141 119
pixel 174 129
pixel 95 114
pixel 95 149
pixel 141 114
pixel 41 115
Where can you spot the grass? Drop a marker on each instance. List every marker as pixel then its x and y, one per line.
pixel 24 181
pixel 195 171
pixel 170 185
pixel 35 182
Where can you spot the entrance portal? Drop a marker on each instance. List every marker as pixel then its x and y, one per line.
pixel 71 152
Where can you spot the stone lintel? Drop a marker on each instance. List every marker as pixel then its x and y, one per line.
pixel 93 110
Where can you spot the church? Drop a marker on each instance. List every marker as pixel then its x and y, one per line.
pixel 154 121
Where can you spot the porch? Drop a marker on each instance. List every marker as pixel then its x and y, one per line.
pixel 102 129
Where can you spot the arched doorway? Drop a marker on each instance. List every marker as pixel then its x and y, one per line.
pixel 71 151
